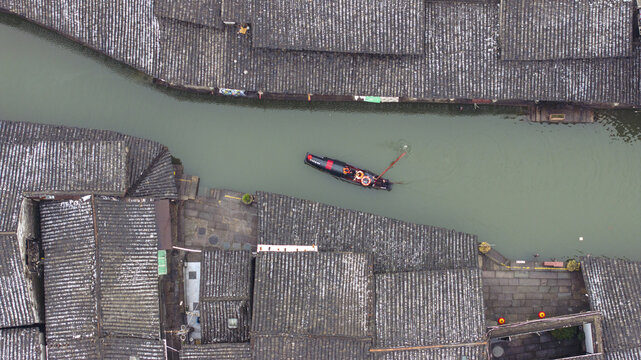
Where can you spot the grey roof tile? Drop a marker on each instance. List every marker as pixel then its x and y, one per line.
pixel 95 23
pixel 59 167
pixel 313 294
pixel 132 348
pixel 395 245
pixel 627 354
pixel 424 308
pixel 477 352
pixel 351 26
pixel 101 277
pixel 17 306
pixel 310 348
pixel 202 12
pixel 40 143
pixel 565 29
pixel 462 57
pixel 76 350
pixel 128 268
pixel 614 289
pixel 21 344
pixel 67 231
pixel 214 317
pixel 225 275
pixel 238 351
pixel 225 293
pixel 238 11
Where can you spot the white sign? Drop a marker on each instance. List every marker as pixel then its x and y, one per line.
pixel 287 248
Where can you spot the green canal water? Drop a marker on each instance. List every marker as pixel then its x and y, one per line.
pixel 527 188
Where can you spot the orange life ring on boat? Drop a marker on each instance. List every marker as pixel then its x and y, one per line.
pixel 366 181
pixel 359 175
pixel 345 170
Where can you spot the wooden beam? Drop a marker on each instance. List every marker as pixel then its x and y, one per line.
pixel 428 347
pixel 540 325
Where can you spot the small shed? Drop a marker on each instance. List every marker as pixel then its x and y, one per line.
pixel 225 296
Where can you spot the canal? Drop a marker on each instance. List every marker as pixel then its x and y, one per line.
pixel 527 188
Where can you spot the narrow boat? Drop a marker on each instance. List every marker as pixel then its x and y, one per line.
pixel 349 173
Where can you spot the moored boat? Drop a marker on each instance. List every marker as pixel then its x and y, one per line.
pixel 348 173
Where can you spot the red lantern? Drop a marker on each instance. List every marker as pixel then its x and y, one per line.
pixel 541 314
pixel 501 321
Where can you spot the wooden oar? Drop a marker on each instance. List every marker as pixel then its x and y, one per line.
pixel 390 166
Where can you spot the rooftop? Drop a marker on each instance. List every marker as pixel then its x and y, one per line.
pixel 349 26
pixel 100 264
pixel 52 159
pixel 423 308
pixel 466 49
pixel 101 276
pixel 613 289
pixel 225 293
pixel 22 344
pixel 17 303
pixel 395 245
pixel 237 351
pixel 305 302
pixel 565 29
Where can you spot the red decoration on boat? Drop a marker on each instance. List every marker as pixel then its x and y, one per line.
pixel 348 173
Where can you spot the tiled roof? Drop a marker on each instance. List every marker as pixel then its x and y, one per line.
pixel 239 11
pixel 351 26
pixel 462 56
pixel 95 23
pixel 423 308
pixel 597 356
pixel 627 354
pixel 614 289
pixel 54 166
pixel 59 167
pixel 237 351
pixel 147 166
pixel 477 352
pixel 310 348
pixel 202 12
pixel 76 350
pixel 128 266
pixel 69 245
pixel 225 293
pixel 131 348
pixel 304 302
pixel 565 29
pixel 155 181
pixel 17 305
pixel 101 277
pixel 395 245
pixel 21 344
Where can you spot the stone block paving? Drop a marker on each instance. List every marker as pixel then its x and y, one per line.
pixel 539 347
pixel 518 294
pixel 220 220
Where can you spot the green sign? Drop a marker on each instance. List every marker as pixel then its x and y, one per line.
pixel 162 262
pixel 372 99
